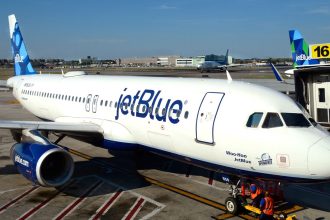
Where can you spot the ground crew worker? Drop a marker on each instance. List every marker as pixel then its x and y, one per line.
pixel 256 195
pixel 267 207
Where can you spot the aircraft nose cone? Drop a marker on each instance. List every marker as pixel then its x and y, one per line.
pixel 319 158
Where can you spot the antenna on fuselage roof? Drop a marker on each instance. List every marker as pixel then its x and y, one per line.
pixel 228 76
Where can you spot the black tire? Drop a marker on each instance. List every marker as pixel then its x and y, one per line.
pixel 232 205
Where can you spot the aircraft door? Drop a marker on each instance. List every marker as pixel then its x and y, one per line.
pixel 88 103
pixel 206 116
pixel 94 104
pixel 322 99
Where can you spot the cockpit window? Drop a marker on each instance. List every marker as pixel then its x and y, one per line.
pixel 254 120
pixel 295 120
pixel 272 120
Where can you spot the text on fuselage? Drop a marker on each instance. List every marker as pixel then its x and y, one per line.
pixel 148 100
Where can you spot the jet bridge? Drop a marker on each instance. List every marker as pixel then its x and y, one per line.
pixel 312 87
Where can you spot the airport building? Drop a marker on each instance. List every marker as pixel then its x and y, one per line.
pixel 167 60
pixel 189 62
pixel 163 61
pixel 139 61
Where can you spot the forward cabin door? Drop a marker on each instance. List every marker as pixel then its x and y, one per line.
pixel 206 117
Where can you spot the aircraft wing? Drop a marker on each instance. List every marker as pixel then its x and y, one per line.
pixel 52 126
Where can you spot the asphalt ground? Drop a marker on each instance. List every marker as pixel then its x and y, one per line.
pixel 120 185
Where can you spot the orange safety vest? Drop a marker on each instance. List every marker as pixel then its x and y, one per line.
pixel 269 206
pixel 258 192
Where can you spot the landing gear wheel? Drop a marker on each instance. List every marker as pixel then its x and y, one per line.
pixel 232 205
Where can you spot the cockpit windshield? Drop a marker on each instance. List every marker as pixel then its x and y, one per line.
pixel 295 120
pixel 254 120
pixel 272 120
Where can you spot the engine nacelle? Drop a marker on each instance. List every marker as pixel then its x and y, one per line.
pixel 45 165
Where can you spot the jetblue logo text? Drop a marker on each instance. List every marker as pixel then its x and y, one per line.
pixel 18 59
pixel 149 103
pixel 20 160
pixel 303 57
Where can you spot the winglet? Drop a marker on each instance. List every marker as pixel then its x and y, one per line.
pixel 228 76
pixel 276 73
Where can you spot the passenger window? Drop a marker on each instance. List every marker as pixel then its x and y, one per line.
pixel 254 120
pixel 186 114
pixel 272 120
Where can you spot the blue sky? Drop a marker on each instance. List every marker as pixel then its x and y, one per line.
pixel 72 29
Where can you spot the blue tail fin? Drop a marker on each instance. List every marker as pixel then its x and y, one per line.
pixel 21 59
pixel 226 58
pixel 300 50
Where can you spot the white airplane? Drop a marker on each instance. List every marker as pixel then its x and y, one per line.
pixel 216 63
pixel 227 126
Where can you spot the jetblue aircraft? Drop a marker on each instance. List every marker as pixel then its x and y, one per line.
pixel 226 126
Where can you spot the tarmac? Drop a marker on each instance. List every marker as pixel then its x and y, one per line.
pixel 115 185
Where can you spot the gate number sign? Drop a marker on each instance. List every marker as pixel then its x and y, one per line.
pixel 320 51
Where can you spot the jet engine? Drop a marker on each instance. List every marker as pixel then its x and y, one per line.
pixel 45 165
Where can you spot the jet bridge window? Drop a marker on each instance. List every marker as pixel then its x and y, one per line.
pixel 295 120
pixel 272 120
pixel 254 120
pixel 321 95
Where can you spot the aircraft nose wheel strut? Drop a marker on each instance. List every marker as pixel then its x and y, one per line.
pixel 233 202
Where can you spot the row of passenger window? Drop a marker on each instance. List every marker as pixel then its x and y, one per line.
pixel 104 103
pixel 54 96
pixel 64 97
pixel 273 120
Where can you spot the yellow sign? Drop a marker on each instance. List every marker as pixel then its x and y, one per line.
pixel 318 51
